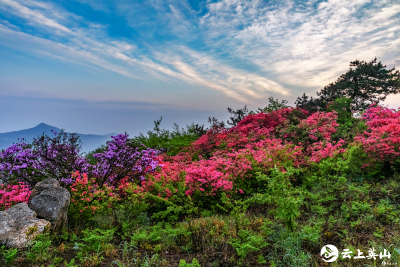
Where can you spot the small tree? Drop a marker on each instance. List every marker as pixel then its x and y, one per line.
pixel 170 142
pixel 273 105
pixel 310 104
pixel 215 123
pixel 365 83
pixel 237 115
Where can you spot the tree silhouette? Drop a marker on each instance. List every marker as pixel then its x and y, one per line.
pixel 365 83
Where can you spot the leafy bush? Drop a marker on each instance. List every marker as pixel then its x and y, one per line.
pixel 247 242
pixel 170 142
pixel 38 252
pixel 9 255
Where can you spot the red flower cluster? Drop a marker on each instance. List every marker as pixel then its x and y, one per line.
pixel 13 194
pixel 381 140
pixel 250 130
pixel 321 125
pixel 87 197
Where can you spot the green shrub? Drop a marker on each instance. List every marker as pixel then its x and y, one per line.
pixel 170 142
pixel 195 263
pixel 247 243
pixel 9 255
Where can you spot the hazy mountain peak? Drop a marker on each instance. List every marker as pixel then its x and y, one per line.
pixel 89 141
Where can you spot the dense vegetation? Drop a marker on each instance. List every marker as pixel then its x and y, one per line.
pixel 270 190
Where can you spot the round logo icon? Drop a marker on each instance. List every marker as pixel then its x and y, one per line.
pixel 329 253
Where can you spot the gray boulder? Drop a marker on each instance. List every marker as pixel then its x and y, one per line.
pixel 43 186
pixel 19 225
pixel 52 204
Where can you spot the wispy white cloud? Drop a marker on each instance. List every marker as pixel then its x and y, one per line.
pixel 33 16
pixel 38 45
pixel 286 47
pixel 306 45
pixel 244 86
pixel 84 49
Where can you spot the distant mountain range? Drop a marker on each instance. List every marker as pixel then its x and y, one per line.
pixel 89 141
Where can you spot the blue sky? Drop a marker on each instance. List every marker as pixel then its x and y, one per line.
pixel 96 66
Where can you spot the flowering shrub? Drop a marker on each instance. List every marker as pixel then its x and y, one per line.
pixel 54 157
pixel 382 138
pixel 59 156
pixel 88 198
pixel 228 172
pixel 205 178
pixel 321 125
pixel 276 142
pixel 253 128
pixel 120 160
pixel 318 127
pixel 322 150
pixel 13 194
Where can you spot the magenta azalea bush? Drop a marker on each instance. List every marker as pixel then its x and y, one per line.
pixel 13 194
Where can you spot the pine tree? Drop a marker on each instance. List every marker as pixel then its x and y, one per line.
pixel 364 83
pixel 310 104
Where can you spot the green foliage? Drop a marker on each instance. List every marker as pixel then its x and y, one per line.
pixel 283 195
pixel 273 104
pixel 39 251
pixel 178 206
pixel 195 263
pixel 349 126
pixel 162 233
pixel 365 83
pixel 286 248
pixel 170 142
pixel 343 108
pixel 9 255
pixel 96 245
pixel 153 261
pixel 247 243
pixel 70 264
pixel 96 239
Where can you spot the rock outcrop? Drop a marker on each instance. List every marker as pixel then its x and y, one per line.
pixel 19 225
pixel 43 186
pixel 51 202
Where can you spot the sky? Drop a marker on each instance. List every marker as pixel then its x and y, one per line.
pixel 94 66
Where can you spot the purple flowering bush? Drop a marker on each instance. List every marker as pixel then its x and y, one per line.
pixel 121 160
pixel 59 156
pixel 46 156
